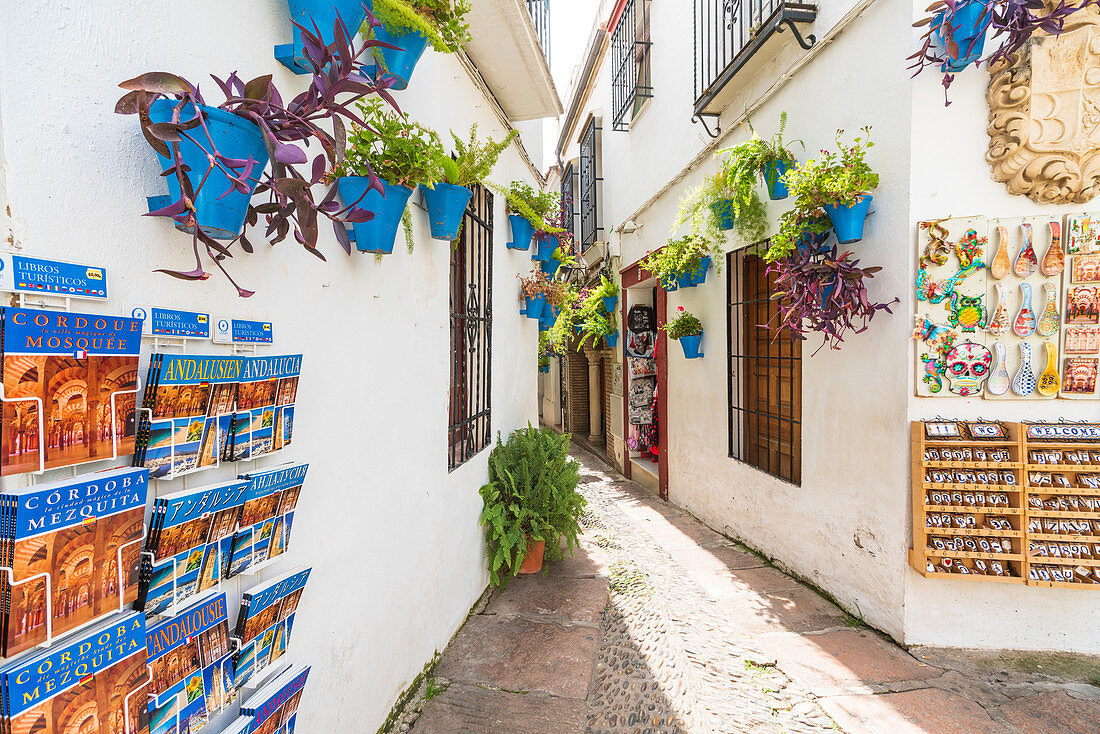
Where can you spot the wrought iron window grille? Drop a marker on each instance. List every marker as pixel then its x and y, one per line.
pixel 471 315
pixel 630 46
pixel 588 186
pixel 764 376
pixel 728 33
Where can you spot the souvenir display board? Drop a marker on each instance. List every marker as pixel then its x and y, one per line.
pixel 1007 502
pixel 1007 308
pixel 967 500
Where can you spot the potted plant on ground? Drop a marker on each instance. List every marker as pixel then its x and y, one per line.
pixel 688 330
pixel 469 165
pixel 682 263
pixel 533 290
pixel 758 159
pixel 819 290
pixel 214 159
pixel 408 26
pixel 530 503
pixel 956 31
pixel 840 183
pixel 527 212
pixel 403 153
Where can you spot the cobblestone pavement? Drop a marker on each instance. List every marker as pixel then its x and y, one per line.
pixel 660 625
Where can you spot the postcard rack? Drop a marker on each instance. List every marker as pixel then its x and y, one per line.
pixel 1007 502
pixel 968 501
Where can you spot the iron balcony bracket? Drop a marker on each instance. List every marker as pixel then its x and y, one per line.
pixel 806 43
pixel 698 117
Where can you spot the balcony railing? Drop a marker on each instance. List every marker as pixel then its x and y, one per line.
pixel 729 32
pixel 540 14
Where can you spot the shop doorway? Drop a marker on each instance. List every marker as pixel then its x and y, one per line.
pixel 645 376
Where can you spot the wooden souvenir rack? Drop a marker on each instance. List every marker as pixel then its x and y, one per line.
pixel 1035 490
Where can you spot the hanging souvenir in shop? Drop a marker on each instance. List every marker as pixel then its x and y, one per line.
pixel 641 318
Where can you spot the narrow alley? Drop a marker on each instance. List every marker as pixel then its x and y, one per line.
pixel 659 624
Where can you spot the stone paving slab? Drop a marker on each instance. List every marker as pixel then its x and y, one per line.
pixel 924 711
pixel 568 598
pixel 844 661
pixel 589 561
pixel 473 710
pixel 789 610
pixel 1055 712
pixel 519 654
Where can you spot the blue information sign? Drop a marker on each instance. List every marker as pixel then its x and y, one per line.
pixel 240 331
pixel 23 274
pixel 172 322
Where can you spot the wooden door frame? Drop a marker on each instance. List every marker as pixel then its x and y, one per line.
pixel 630 276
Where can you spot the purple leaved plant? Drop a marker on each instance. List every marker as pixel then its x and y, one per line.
pixel 285 197
pixel 819 291
pixel 1013 23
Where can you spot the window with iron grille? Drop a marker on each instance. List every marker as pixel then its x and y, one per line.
pixel 569 199
pixel 540 16
pixel 765 375
pixel 630 84
pixel 471 287
pixel 587 184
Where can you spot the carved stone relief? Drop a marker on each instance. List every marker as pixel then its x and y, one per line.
pixel 1044 115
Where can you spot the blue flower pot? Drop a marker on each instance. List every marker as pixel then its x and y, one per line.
pixel 671 284
pixel 544 368
pixel 699 276
pixel 548 318
pixel 378 234
pixel 522 232
pixel 535 306
pixel 321 13
pixel 971 19
pixel 578 328
pixel 685 280
pixel 219 214
pixel 848 220
pixel 691 346
pixel 612 339
pixel 546 244
pixel 446 203
pixel 723 212
pixel 550 266
pixel 401 61
pixel 773 177
pixel 543 325
pixel 609 303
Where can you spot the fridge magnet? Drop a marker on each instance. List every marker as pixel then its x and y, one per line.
pixel 1086 269
pixel 1082 339
pixel 1083 235
pixel 967 312
pixel 1080 376
pixel 1083 305
pixel 967 368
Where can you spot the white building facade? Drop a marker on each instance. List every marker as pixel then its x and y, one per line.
pixel 388 518
pixel 813 468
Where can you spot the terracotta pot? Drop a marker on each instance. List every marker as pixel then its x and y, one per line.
pixel 532 562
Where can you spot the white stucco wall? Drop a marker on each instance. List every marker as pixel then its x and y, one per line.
pixel 847 527
pixel 393 539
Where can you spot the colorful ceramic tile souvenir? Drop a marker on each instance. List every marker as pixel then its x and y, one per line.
pixel 1048 322
pixel 1026 261
pixel 1082 339
pixel 1086 269
pixel 967 368
pixel 1080 376
pixel 999 381
pixel 1048 380
pixel 1024 325
pixel 1083 305
pixel 1000 266
pixel 1083 236
pixel 1024 382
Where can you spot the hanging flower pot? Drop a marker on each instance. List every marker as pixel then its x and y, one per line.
pixel 548 319
pixel 685 280
pixel 319 14
pixel 219 214
pixel 670 284
pixel 968 24
pixel 378 234
pixel 532 561
pixel 723 212
pixel 522 232
pixel 544 368
pixel 534 306
pixel 773 177
pixel 550 266
pixel 446 203
pixel 612 339
pixel 577 328
pixel 401 61
pixel 543 326
pixel 699 275
pixel 848 220
pixel 692 346
pixel 609 303
pixel 546 244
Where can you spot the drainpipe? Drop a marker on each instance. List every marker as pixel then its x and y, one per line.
pixel 595 399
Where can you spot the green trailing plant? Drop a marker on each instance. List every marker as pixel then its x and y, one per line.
pixel 796 227
pixel 595 326
pixel 534 206
pixel 606 289
pixel 399 150
pixel 685 324
pixel 442 22
pixel 472 161
pixel 841 178
pixel 547 351
pixel 681 255
pixel 531 495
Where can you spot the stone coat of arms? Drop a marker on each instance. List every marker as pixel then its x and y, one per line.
pixel 1044 115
